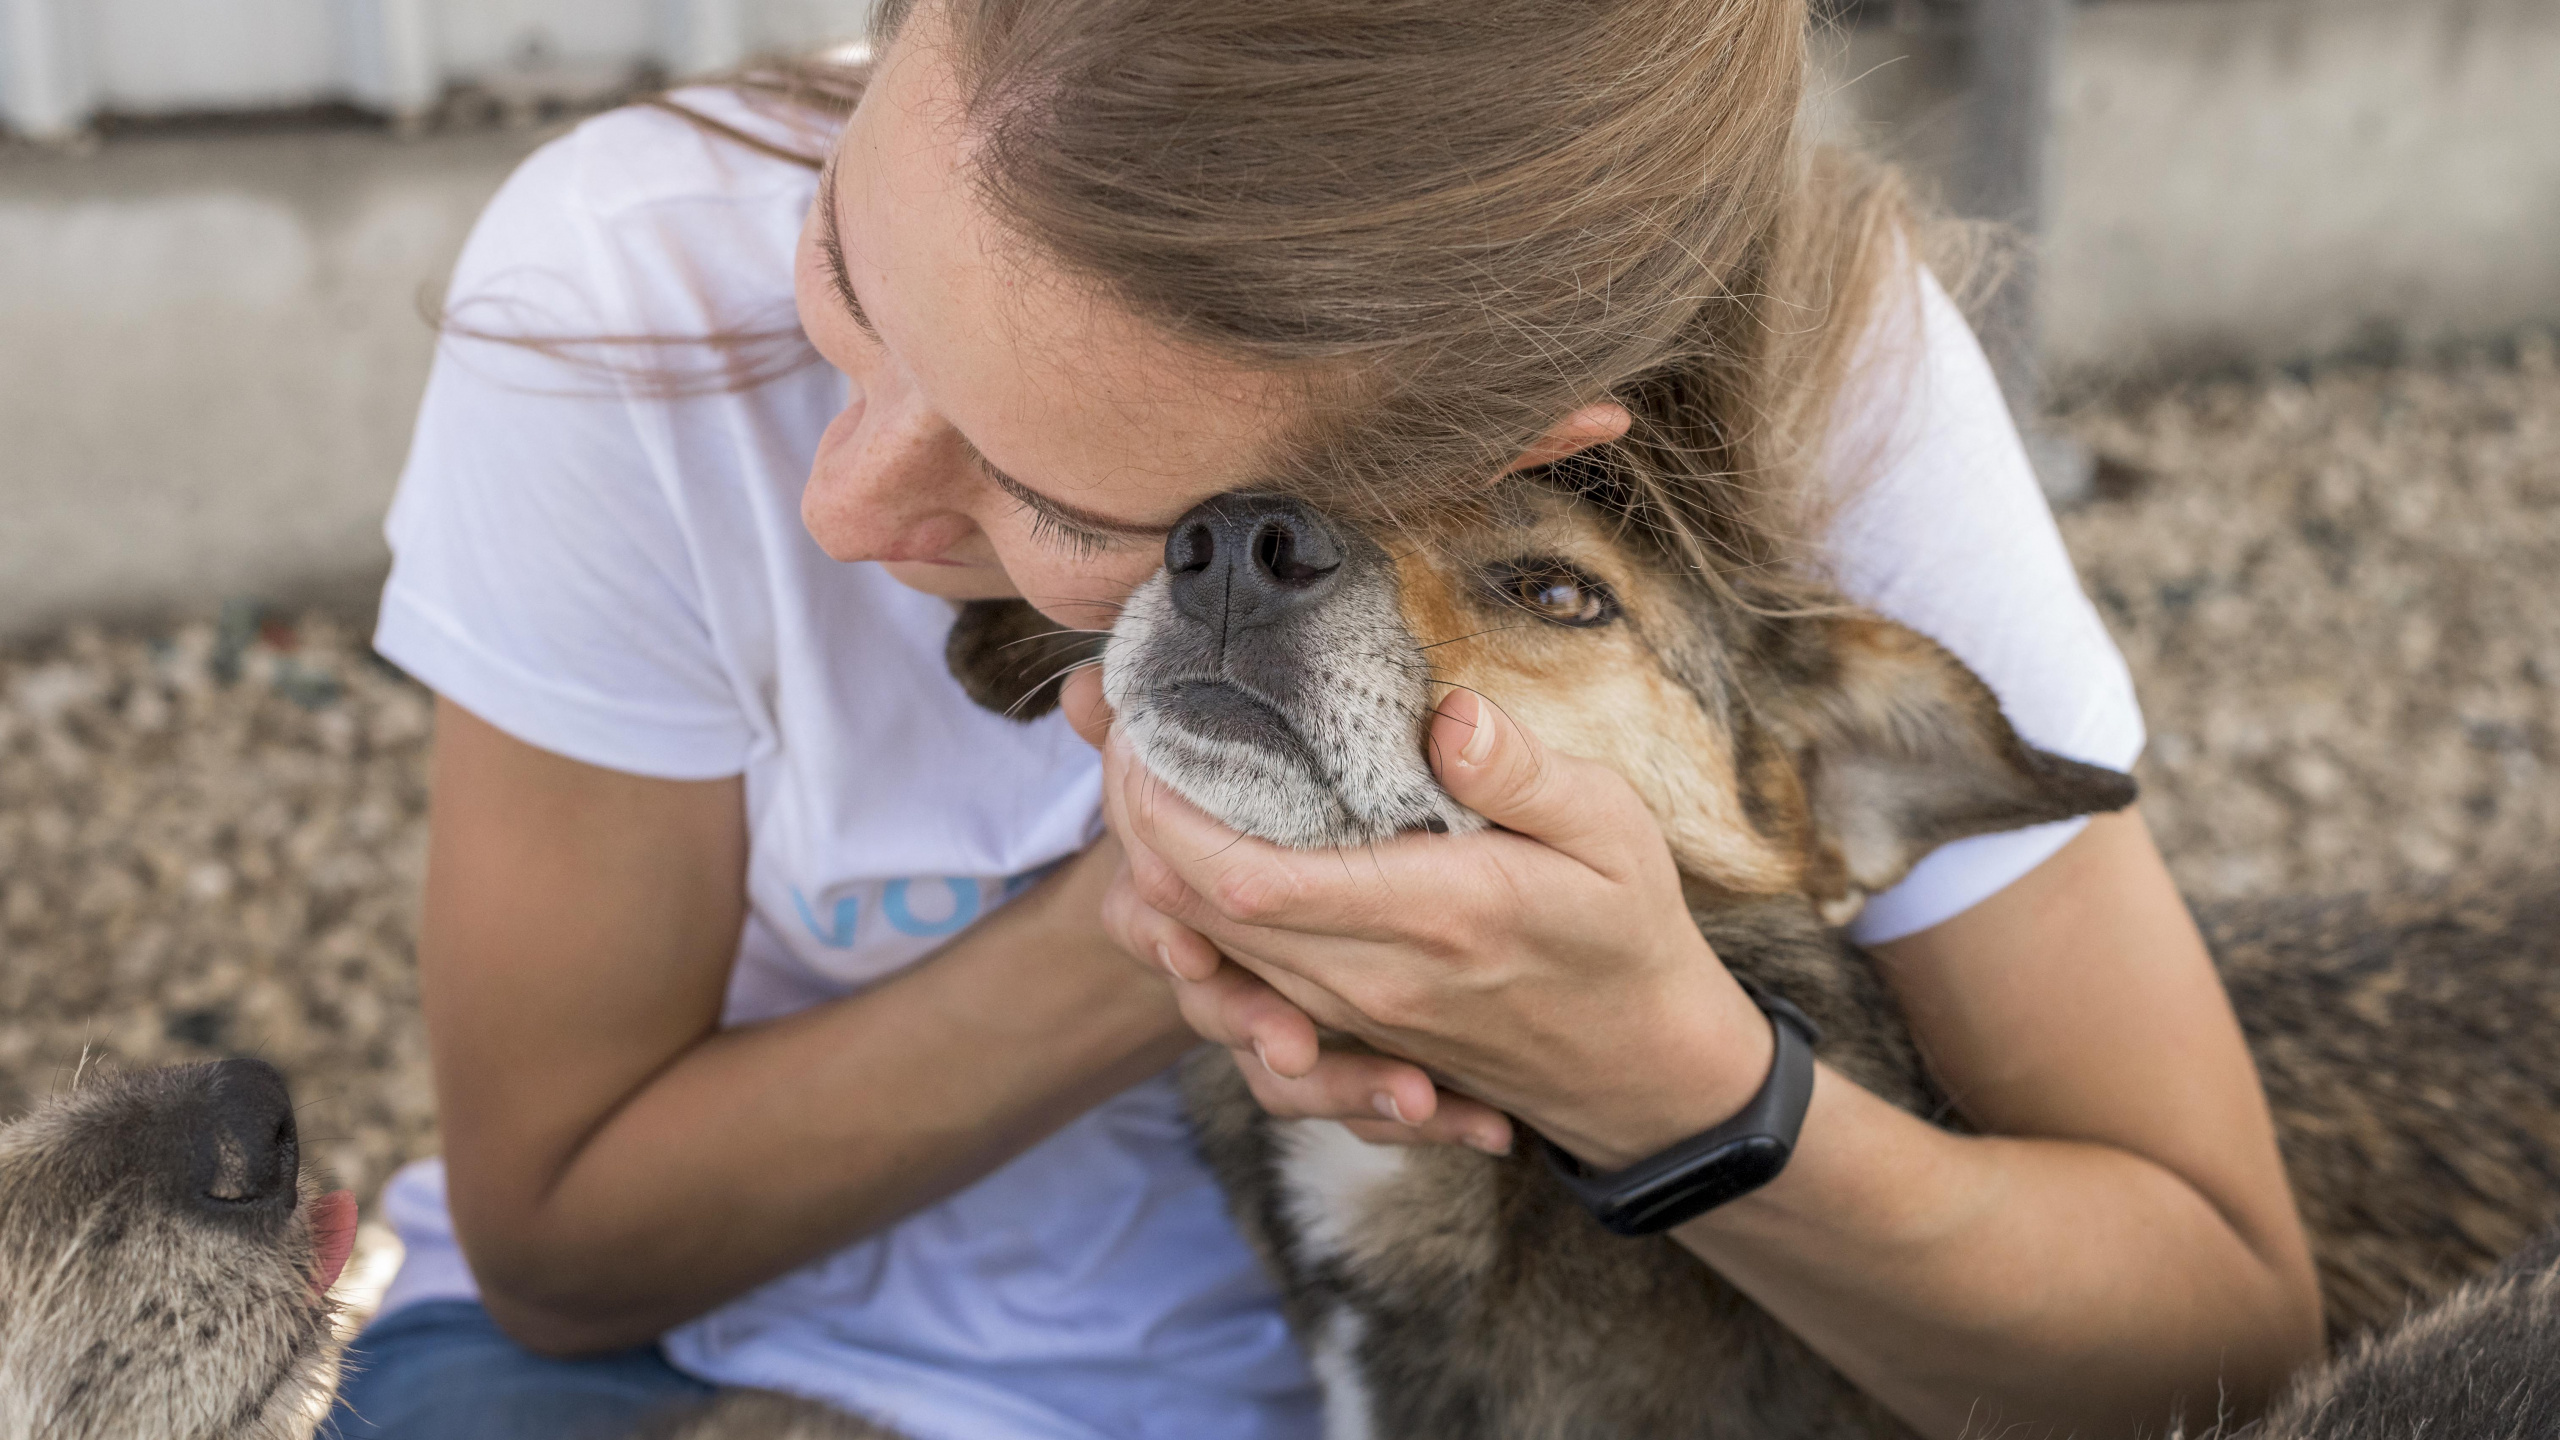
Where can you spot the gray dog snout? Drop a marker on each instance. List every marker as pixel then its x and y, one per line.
pixel 1242 561
pixel 243 1154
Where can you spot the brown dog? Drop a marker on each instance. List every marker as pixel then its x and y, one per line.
pixel 1280 674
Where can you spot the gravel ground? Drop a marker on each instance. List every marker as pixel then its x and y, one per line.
pixel 2337 596
pixel 2334 593
pixel 210 844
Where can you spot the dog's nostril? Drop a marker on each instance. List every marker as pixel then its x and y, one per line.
pixel 1191 548
pixel 1295 555
pixel 1277 552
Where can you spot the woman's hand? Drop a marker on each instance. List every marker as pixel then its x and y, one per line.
pixel 1548 968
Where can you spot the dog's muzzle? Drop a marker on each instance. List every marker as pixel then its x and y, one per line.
pixel 1268 676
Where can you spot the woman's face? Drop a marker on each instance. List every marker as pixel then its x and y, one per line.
pixel 1005 435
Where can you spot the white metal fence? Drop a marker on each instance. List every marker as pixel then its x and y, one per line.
pixel 62 62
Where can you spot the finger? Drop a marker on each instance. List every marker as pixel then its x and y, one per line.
pixel 1492 765
pixel 1153 936
pixel 1342 1085
pixel 1155 882
pixel 1234 1008
pixel 1143 894
pixel 1227 885
pixel 1081 698
pixel 1459 1121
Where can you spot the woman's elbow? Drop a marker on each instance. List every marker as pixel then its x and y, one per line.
pixel 559 1301
pixel 2280 1337
pixel 562 1332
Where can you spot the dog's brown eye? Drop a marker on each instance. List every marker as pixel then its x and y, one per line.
pixel 1555 591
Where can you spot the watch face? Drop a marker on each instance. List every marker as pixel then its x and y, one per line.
pixel 1724 1173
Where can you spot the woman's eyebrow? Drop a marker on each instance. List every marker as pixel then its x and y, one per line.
pixel 831 247
pixel 1060 510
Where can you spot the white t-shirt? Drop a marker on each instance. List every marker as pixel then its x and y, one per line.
pixel 621 576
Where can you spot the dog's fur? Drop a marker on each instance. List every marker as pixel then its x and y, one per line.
pixel 1797 763
pixel 2478 1366
pixel 161 1277
pixel 157 1270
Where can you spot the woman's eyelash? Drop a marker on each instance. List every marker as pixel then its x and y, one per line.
pixel 1049 528
pixel 1076 540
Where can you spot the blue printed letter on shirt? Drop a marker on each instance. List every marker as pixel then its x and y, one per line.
pixel 964 907
pixel 838 935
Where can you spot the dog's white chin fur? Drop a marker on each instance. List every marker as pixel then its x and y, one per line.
pixel 1362 777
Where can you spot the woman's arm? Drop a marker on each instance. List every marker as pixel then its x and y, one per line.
pixel 2124 1246
pixel 2120 1239
pixel 617 1163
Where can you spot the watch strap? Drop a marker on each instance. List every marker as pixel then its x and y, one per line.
pixel 1708 1169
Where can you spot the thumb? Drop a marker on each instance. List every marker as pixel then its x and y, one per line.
pixel 1490 764
pixel 1080 696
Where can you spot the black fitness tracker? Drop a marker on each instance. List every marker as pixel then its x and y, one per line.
pixel 1706 1170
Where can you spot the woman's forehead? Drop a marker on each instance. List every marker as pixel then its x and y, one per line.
pixel 1054 384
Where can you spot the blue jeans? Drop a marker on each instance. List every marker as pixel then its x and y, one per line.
pixel 442 1370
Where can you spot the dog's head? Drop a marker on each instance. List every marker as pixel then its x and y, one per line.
pixel 1282 670
pixel 164 1263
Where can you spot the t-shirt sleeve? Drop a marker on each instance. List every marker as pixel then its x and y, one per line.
pixel 1952 537
pixel 543 576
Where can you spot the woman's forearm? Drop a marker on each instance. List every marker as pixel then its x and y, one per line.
pixel 1974 1284
pixel 764 1147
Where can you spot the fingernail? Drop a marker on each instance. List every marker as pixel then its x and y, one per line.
pixel 1164 959
pixel 1489 1144
pixel 1479 746
pixel 1265 1059
pixel 1385 1104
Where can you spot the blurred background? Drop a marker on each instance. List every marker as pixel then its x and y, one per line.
pixel 2284 344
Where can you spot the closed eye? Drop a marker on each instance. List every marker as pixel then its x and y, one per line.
pixel 1064 534
pixel 1554 591
pixel 1052 526
pixel 831 250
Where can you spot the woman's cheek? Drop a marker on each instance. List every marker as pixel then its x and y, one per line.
pixel 1081 594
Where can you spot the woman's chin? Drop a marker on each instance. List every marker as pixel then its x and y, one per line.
pixel 952 582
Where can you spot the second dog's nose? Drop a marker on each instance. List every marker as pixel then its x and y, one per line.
pixel 245 1155
pixel 1239 561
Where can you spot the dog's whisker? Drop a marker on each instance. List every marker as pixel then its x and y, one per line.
pixel 1053 637
pixel 1034 692
pixel 1478 634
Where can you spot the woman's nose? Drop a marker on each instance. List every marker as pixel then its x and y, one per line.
pixel 883 484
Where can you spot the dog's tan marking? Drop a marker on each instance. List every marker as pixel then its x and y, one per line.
pixel 1598 694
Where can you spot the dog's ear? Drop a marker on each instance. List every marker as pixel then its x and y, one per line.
pixel 1898 748
pixel 1012 659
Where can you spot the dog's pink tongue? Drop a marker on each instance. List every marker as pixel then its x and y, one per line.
pixel 333 1237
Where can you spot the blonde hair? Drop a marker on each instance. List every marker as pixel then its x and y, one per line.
pixel 1456 223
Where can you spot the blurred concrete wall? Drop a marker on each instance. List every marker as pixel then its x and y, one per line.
pixel 209 347
pixel 2266 181
pixel 2253 181
pixel 62 62
pixel 210 352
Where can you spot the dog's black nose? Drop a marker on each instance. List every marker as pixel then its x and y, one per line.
pixel 1239 561
pixel 242 1154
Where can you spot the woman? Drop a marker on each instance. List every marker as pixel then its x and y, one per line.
pixel 781 1001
